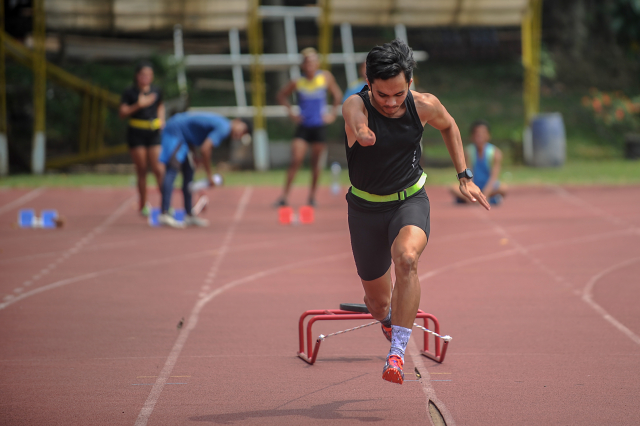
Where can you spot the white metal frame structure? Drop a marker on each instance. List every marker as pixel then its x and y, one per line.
pixel 237 61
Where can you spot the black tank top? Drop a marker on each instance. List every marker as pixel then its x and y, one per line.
pixel 393 163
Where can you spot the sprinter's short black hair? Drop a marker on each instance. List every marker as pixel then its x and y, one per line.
pixel 389 60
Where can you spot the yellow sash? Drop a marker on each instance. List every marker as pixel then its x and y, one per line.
pixel 145 124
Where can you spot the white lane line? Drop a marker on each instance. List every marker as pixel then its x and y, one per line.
pixel 61 283
pixel 65 255
pixel 154 395
pixel 587 297
pixel 586 239
pixel 428 390
pixel 172 359
pixel 194 316
pixel 469 261
pixel 559 278
pixel 20 201
pixel 226 243
pixel 519 249
pixel 575 200
pixel 10 299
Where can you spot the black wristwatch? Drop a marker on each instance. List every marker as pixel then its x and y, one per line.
pixel 466 173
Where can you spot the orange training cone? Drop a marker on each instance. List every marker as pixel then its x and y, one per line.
pixel 306 214
pixel 285 215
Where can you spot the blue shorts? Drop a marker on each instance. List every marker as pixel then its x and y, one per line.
pixel 173 147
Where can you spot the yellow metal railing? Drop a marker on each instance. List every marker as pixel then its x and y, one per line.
pixel 3 83
pixel 325 36
pixel 531 40
pixel 256 45
pixel 39 66
pixel 95 102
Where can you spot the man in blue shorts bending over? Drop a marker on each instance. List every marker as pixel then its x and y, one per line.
pixel 388 206
pixel 182 134
pixel 485 160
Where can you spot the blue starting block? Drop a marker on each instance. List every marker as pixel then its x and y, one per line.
pixel 178 215
pixel 48 218
pixel 153 217
pixel 27 219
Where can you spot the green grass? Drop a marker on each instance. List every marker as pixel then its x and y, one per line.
pixel 574 172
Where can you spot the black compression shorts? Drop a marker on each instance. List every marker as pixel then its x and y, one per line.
pixel 141 137
pixel 373 231
pixel 314 134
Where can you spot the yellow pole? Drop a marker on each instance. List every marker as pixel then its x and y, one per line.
pixel 325 34
pixel 4 148
pixel 94 122
pixel 257 70
pixel 39 89
pixel 531 40
pixel 102 120
pixel 258 96
pixel 85 123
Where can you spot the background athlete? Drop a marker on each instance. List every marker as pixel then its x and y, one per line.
pixel 484 160
pixel 311 92
pixel 142 104
pixel 184 134
pixel 388 206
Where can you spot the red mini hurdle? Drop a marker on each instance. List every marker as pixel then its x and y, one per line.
pixel 360 313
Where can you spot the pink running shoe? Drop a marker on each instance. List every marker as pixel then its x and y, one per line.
pixel 392 371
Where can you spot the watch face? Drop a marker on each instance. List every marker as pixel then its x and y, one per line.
pixel 468 174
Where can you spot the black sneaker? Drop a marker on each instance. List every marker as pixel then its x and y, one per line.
pixel 280 202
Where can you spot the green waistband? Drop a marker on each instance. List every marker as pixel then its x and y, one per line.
pixel 398 196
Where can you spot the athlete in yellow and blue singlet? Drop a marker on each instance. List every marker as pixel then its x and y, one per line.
pixel 311 91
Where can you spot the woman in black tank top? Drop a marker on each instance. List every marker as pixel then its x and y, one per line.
pixel 142 106
pixel 388 208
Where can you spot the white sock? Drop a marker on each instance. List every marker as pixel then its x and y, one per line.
pixel 399 340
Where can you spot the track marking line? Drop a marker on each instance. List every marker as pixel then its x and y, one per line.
pixel 151 377
pixel 20 201
pixel 151 384
pixel 100 228
pixel 428 390
pixel 465 262
pixel 539 246
pixel 61 283
pixel 321 389
pixel 574 199
pixel 154 395
pixel 587 297
pixel 172 359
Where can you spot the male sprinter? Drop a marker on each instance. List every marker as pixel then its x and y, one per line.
pixel 183 133
pixel 388 206
pixel 311 91
pixel 485 160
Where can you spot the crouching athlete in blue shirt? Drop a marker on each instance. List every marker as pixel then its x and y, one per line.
pixel 485 161
pixel 182 134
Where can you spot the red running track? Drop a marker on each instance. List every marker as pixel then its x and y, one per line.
pixel 540 295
